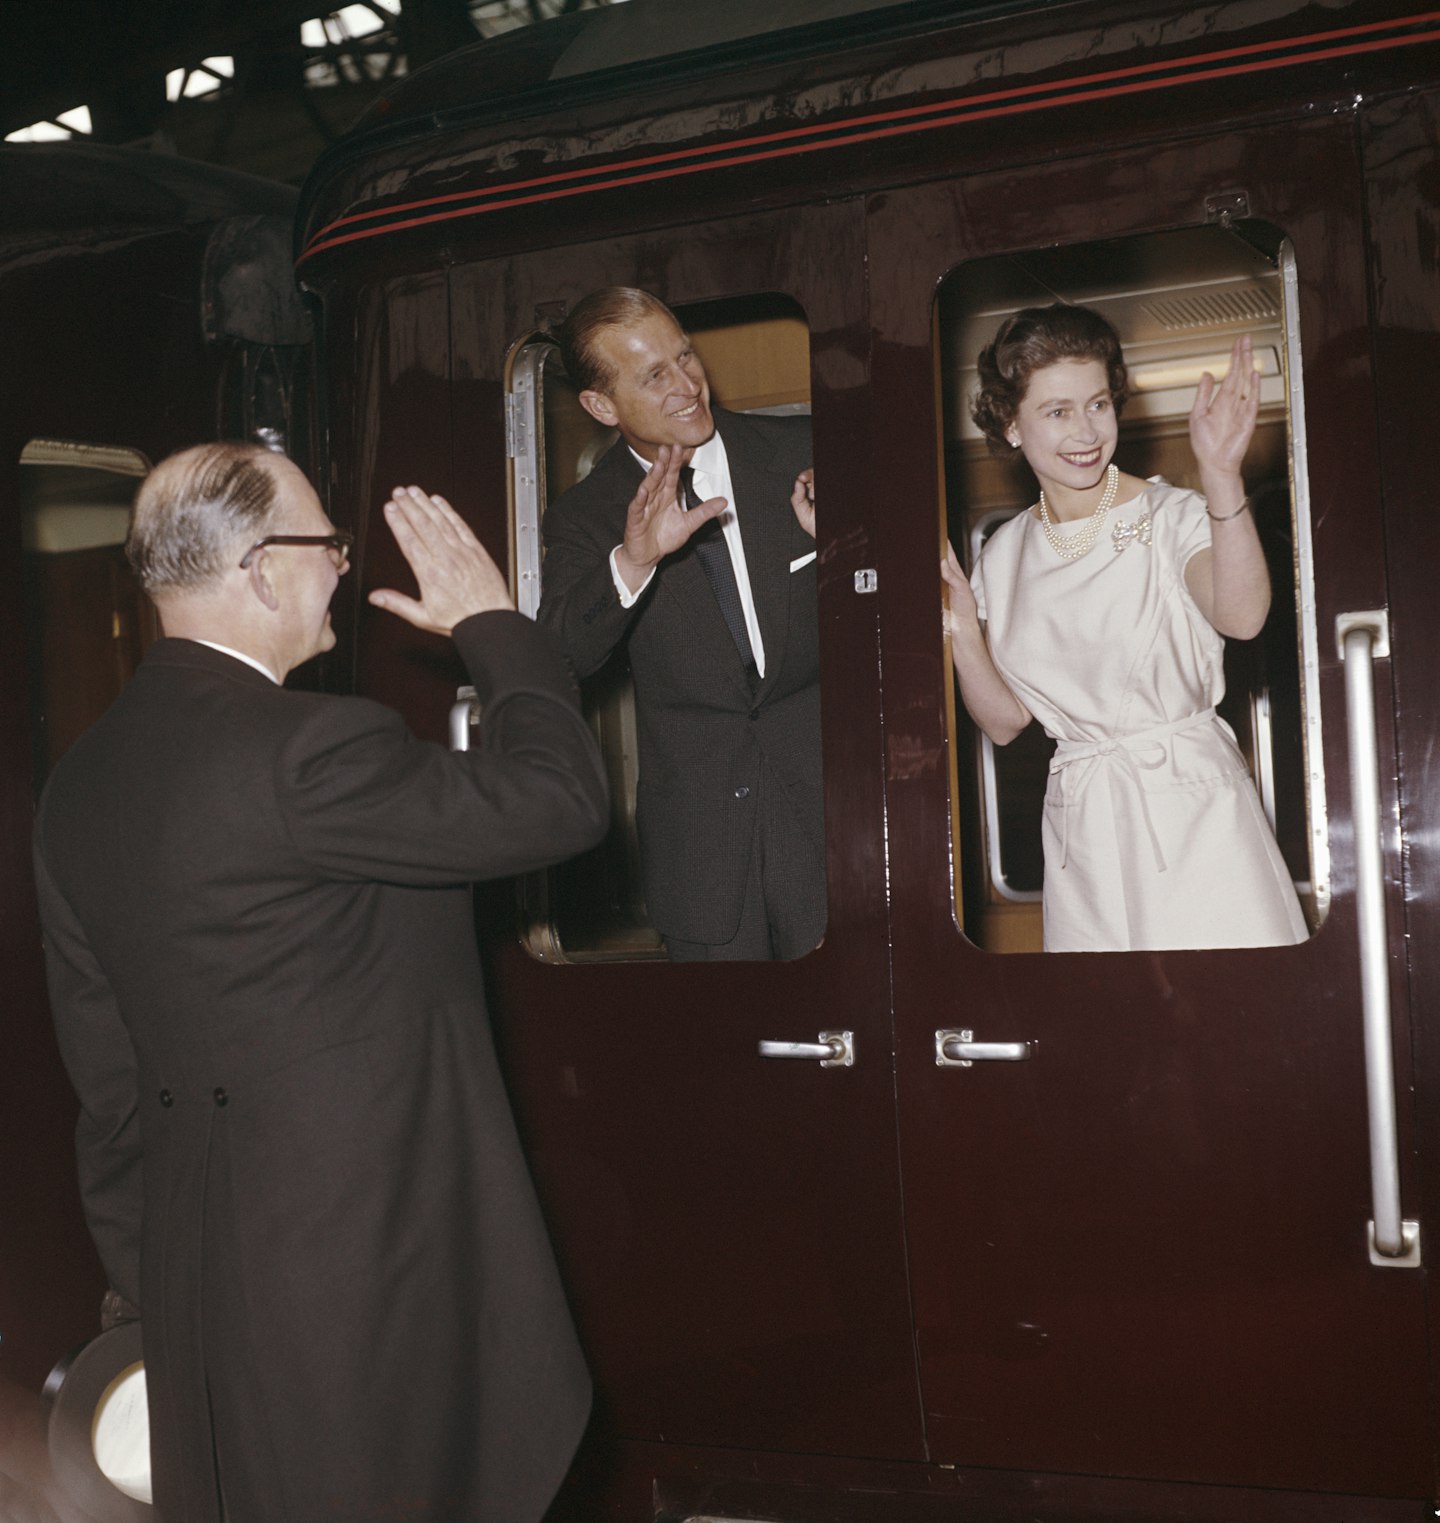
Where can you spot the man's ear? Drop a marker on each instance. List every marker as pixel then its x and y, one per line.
pixel 600 407
pixel 260 581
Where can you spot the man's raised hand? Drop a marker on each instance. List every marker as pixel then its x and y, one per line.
pixel 802 499
pixel 656 523
pixel 456 575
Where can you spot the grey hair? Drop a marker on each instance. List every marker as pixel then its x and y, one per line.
pixel 194 508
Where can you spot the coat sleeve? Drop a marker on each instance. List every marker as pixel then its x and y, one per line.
pixel 362 799
pixel 579 604
pixel 100 1060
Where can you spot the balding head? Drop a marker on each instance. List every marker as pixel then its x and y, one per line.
pixel 192 511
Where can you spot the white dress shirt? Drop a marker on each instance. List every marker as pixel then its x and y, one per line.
pixel 240 655
pixel 712 479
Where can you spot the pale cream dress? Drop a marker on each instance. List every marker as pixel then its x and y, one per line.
pixel 1153 833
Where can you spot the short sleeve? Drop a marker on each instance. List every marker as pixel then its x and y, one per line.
pixel 1189 528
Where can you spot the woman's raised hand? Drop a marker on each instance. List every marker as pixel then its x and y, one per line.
pixel 1222 420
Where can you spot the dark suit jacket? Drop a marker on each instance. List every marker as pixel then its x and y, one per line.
pixel 296 1151
pixel 704 737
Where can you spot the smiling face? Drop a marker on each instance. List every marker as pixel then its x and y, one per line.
pixel 1066 426
pixel 658 394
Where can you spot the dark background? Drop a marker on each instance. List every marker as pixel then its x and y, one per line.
pixel 286 101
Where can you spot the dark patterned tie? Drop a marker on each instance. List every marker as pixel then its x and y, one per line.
pixel 714 555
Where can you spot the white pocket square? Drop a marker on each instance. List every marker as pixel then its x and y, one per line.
pixel 803 561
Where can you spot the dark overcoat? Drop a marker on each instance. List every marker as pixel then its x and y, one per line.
pixel 296 1151
pixel 712 752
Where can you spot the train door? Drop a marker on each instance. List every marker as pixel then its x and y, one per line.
pixel 714 1143
pixel 1147 1245
pixel 1403 222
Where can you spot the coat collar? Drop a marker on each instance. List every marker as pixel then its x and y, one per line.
pixel 191 655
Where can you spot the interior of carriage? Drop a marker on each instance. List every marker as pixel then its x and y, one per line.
pixel 1177 299
pixel 87 622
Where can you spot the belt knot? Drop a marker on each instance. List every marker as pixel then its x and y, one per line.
pixel 1122 750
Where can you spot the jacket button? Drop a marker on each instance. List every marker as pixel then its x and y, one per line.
pixel 742 792
pixel 221 1097
pixel 166 1098
pixel 754 713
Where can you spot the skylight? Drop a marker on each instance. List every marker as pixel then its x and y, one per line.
pixel 72 123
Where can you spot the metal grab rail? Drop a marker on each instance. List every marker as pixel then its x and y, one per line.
pixel 1364 638
pixel 959 1049
pixel 463 713
pixel 834 1049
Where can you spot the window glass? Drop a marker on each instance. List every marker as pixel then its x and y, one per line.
pixel 1177 301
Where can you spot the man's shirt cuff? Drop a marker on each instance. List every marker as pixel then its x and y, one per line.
pixel 628 599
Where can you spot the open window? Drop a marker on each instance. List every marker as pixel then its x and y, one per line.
pixel 87 621
pixel 756 353
pixel 1177 300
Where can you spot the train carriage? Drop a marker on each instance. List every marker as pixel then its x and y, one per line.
pixel 1169 1261
pixel 929 1224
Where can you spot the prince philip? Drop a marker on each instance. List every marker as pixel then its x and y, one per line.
pixel 692 542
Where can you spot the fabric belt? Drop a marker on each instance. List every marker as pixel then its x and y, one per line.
pixel 1121 751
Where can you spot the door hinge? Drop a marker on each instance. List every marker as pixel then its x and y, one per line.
pixel 1227 206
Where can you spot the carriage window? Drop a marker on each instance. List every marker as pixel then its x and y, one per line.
pixel 1177 301
pixel 87 621
pixel 757 358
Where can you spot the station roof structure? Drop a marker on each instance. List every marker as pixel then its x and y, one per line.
pixel 265 86
pixel 256 85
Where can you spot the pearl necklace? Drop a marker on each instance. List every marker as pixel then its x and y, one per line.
pixel 1073 546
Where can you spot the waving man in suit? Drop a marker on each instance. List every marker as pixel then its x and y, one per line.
pixel 296 1153
pixel 693 542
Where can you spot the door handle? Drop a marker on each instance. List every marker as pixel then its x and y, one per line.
pixel 959 1049
pixel 835 1049
pixel 463 713
pixel 1363 637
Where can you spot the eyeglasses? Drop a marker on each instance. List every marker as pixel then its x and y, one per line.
pixel 338 544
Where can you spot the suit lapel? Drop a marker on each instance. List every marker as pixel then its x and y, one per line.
pixel 762 498
pixel 685 581
pixel 682 582
pixel 762 503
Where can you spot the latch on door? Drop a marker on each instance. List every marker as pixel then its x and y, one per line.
pixel 464 712
pixel 835 1049
pixel 959 1049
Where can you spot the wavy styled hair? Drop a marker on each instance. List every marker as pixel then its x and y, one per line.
pixel 194 508
pixel 609 307
pixel 1029 341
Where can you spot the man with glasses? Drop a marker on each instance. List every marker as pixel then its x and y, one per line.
pixel 296 1153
